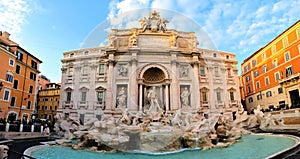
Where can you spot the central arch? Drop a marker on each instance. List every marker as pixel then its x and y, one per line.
pixel 154 78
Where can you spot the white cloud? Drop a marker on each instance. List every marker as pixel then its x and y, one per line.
pixel 234 26
pixel 13 15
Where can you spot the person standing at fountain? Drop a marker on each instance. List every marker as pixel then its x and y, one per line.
pixel 185 97
pixel 121 98
pixel 152 97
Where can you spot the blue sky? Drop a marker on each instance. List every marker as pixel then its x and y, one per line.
pixel 49 28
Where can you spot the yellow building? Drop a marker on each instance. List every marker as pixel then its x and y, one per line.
pixel 48 101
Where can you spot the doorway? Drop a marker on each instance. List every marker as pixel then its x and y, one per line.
pixel 295 99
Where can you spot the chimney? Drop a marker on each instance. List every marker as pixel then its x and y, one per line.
pixel 5 34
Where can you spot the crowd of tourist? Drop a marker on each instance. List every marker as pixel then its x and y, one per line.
pixel 14 125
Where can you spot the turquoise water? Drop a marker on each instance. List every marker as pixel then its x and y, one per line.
pixel 250 147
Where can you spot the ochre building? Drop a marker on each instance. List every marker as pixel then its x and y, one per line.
pixel 48 101
pixel 270 76
pixel 18 74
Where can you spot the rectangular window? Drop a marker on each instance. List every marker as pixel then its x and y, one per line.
pixel 69 96
pixel 247 78
pixel 202 70
pixel 219 96
pixel 19 56
pixel 249 88
pixel 28 104
pixel 30 89
pixel 246 68
pixel 287 56
pixel 259 97
pixel 85 70
pixel 250 100
pixel 267 82
pixel 33 64
pixel 277 76
pixel 257 84
pixel 11 62
pixel 273 49
pixel 18 68
pixel 231 96
pixel 216 70
pixel 83 96
pixel 100 97
pixel 265 69
pixel 280 90
pixel 298 33
pixel 274 63
pixel 285 42
pixel 269 94
pixel 12 101
pixel 101 69
pixel 16 82
pixel 6 95
pixel 289 71
pixel 32 76
pixel 204 96
pixel 254 62
pixel 256 73
pixel 299 48
pixel 263 56
pixel 9 78
pixel 71 71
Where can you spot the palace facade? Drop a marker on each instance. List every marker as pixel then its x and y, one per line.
pixel 148 69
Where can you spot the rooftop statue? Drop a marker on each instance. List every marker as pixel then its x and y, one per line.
pixel 153 23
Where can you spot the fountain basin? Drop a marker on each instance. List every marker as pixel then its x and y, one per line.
pixel 251 146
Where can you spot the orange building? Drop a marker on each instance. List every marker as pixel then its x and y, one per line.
pixel 18 73
pixel 48 101
pixel 270 76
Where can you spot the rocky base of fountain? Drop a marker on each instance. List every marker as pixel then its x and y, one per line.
pixel 158 132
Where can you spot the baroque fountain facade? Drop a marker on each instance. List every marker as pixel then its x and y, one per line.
pixel 151 89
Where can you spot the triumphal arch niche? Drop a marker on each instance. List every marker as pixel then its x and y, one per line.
pixel 148 69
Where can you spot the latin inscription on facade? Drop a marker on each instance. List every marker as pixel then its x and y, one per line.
pixel 153 42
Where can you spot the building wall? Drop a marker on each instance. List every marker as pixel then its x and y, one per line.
pixel 81 73
pixel 5 56
pixel 48 101
pixel 24 80
pixel 272 57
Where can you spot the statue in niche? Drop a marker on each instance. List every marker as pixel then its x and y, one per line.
pixel 121 98
pixel 122 70
pixel 152 98
pixel 184 71
pixel 185 97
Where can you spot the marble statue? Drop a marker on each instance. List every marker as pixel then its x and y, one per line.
pixel 176 121
pixel 121 98
pixel 4 151
pixel 153 23
pixel 184 70
pixel 153 99
pixel 133 39
pixel 123 70
pixel 185 97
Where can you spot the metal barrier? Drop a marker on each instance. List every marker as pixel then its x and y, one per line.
pixel 20 154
